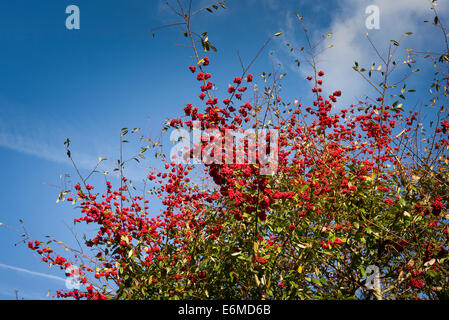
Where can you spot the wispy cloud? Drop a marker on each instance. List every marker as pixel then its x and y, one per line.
pixel 40 148
pixel 30 272
pixel 23 130
pixel 26 131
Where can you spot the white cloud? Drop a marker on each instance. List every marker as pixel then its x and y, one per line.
pixel 24 130
pixel 38 147
pixel 42 136
pixel 350 44
pixel 30 272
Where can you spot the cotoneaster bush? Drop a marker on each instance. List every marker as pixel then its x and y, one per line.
pixel 351 190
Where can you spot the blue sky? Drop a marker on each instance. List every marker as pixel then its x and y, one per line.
pixel 86 84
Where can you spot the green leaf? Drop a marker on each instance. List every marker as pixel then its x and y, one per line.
pixel 432 273
pixel 317 282
pixel 362 271
pixel 395 42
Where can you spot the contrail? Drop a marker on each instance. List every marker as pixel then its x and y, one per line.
pixel 39 274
